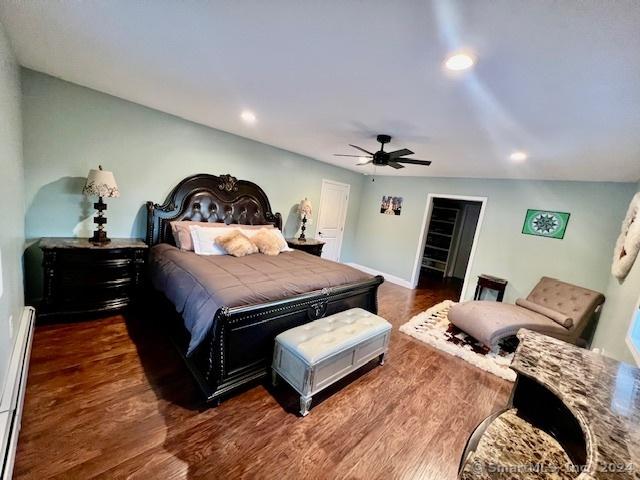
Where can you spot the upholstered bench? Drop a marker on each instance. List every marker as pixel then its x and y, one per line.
pixel 313 356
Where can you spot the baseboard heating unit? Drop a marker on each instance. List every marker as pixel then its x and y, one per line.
pixel 12 399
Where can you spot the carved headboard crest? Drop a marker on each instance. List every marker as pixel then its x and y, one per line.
pixel 210 198
pixel 228 183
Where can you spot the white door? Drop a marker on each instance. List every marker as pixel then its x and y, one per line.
pixel 332 214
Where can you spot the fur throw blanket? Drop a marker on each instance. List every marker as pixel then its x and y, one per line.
pixel 628 244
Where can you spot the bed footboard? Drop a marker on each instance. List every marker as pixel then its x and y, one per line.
pixel 239 347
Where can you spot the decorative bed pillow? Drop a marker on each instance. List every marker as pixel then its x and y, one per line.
pixel 266 241
pixel 236 243
pixel 284 247
pixel 182 233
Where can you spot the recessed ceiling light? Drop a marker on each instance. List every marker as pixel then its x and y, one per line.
pixel 518 156
pixel 248 116
pixel 459 61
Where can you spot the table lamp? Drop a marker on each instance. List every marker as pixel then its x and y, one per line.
pixel 304 209
pixel 100 183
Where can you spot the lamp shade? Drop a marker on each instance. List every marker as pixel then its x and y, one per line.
pixel 305 208
pixel 101 183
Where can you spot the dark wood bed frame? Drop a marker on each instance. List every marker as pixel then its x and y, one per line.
pixel 238 348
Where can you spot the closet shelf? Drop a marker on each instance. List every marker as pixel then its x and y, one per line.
pixel 437 248
pixel 449 222
pixel 430 267
pixel 431 259
pixel 442 248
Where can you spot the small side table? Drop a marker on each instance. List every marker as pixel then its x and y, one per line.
pixel 490 283
pixel 310 245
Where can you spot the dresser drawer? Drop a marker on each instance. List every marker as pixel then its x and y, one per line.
pixel 117 288
pixel 67 300
pixel 96 275
pixel 94 258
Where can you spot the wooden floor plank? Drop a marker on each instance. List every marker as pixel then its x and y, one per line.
pixel 110 398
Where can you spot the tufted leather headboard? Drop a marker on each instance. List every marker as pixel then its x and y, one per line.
pixel 210 198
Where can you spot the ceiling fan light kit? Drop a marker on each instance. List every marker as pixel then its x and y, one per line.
pixel 381 158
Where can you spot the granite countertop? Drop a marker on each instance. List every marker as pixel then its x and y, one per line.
pixel 603 395
pixel 71 243
pixel 506 442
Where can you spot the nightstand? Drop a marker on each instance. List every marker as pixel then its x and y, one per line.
pixel 490 282
pixel 83 278
pixel 310 245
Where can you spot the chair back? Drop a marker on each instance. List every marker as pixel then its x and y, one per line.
pixel 571 300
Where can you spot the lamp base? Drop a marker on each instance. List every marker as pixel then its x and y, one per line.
pixel 302 238
pixel 100 237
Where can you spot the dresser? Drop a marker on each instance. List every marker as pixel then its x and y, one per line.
pixel 310 245
pixel 83 278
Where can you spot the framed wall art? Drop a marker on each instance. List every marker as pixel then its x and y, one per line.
pixel 546 223
pixel 391 205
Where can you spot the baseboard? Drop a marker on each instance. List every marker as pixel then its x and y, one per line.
pixel 12 400
pixel 390 278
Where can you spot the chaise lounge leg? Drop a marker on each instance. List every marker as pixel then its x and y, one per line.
pixel 274 378
pixel 305 404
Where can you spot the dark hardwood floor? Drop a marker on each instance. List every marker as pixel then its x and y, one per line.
pixel 111 399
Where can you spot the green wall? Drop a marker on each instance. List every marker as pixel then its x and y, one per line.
pixel 11 199
pixel 71 129
pixel 616 314
pixel 389 243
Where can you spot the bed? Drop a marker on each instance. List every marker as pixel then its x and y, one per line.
pixel 235 346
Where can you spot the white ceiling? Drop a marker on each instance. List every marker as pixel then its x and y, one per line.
pixel 557 78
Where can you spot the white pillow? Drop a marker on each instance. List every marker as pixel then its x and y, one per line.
pixel 204 239
pixel 284 247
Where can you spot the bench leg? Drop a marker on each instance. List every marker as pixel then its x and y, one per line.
pixel 305 404
pixel 381 358
pixel 274 377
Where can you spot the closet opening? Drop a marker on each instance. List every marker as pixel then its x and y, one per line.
pixel 449 238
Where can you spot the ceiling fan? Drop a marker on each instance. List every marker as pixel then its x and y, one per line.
pixel 382 159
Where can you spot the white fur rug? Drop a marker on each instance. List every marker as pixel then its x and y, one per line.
pixel 433 328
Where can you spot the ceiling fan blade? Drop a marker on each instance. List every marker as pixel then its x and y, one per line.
pixel 400 153
pixel 395 165
pixel 365 163
pixel 414 162
pixel 361 149
pixel 343 155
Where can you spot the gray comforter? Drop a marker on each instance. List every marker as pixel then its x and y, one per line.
pixel 199 285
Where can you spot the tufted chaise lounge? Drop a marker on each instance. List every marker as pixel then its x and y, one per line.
pixel 554 308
